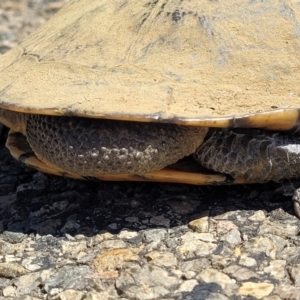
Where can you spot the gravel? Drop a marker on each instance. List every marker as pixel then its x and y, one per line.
pixel 66 239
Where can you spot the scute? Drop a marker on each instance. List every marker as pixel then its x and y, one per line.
pixel 181 61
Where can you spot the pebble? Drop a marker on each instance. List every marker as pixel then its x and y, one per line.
pixel 182 207
pixel 154 282
pixel 276 268
pixel 154 235
pixel 233 237
pixel 240 273
pixel 71 294
pixel 127 235
pixel 72 249
pixel 289 253
pixel 200 225
pixel 279 229
pixel 189 236
pixel 30 282
pixel 188 286
pixel 111 244
pixel 195 248
pixel 68 277
pixel 14 237
pixel 295 274
pixel 9 291
pixel 160 221
pixel 247 261
pixel 213 276
pixel 263 244
pixel 224 227
pixel 194 265
pixel 286 291
pixel 165 259
pixel 64 239
pixel 257 290
pixel 258 216
pixel 98 296
pixel 11 270
pixel 113 259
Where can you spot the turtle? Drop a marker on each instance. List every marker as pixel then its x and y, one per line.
pixel 126 89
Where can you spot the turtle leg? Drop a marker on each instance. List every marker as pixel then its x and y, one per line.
pixel 255 155
pixel 93 147
pixel 181 172
pixel 296 202
pixel 291 187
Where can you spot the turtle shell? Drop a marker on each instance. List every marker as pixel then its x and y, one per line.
pixel 201 63
pixel 183 171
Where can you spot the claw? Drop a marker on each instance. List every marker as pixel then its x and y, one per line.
pixel 296 201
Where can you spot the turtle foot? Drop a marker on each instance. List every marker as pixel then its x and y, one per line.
pixel 296 202
pixel 292 188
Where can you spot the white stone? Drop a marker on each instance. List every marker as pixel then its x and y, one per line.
pixel 9 291
pixel 257 290
pixel 225 226
pixel 295 274
pixel 200 225
pixel 276 268
pixel 279 229
pixel 258 216
pixel 211 275
pixel 233 237
pixel 70 295
pixel 97 296
pixel 247 261
pixel 206 237
pixel 165 259
pixel 187 286
pixel 127 234
pixel 195 248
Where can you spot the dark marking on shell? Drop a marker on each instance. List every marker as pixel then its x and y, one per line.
pixel 223 56
pixel 206 24
pixel 159 13
pixel 163 6
pixel 123 4
pixel 32 54
pixel 152 3
pixel 176 17
pixel 162 9
pixel 193 13
pixel 202 20
pixel 144 18
pixel 231 123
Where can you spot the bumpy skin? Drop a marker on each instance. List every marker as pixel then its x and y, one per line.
pixel 256 155
pixel 90 146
